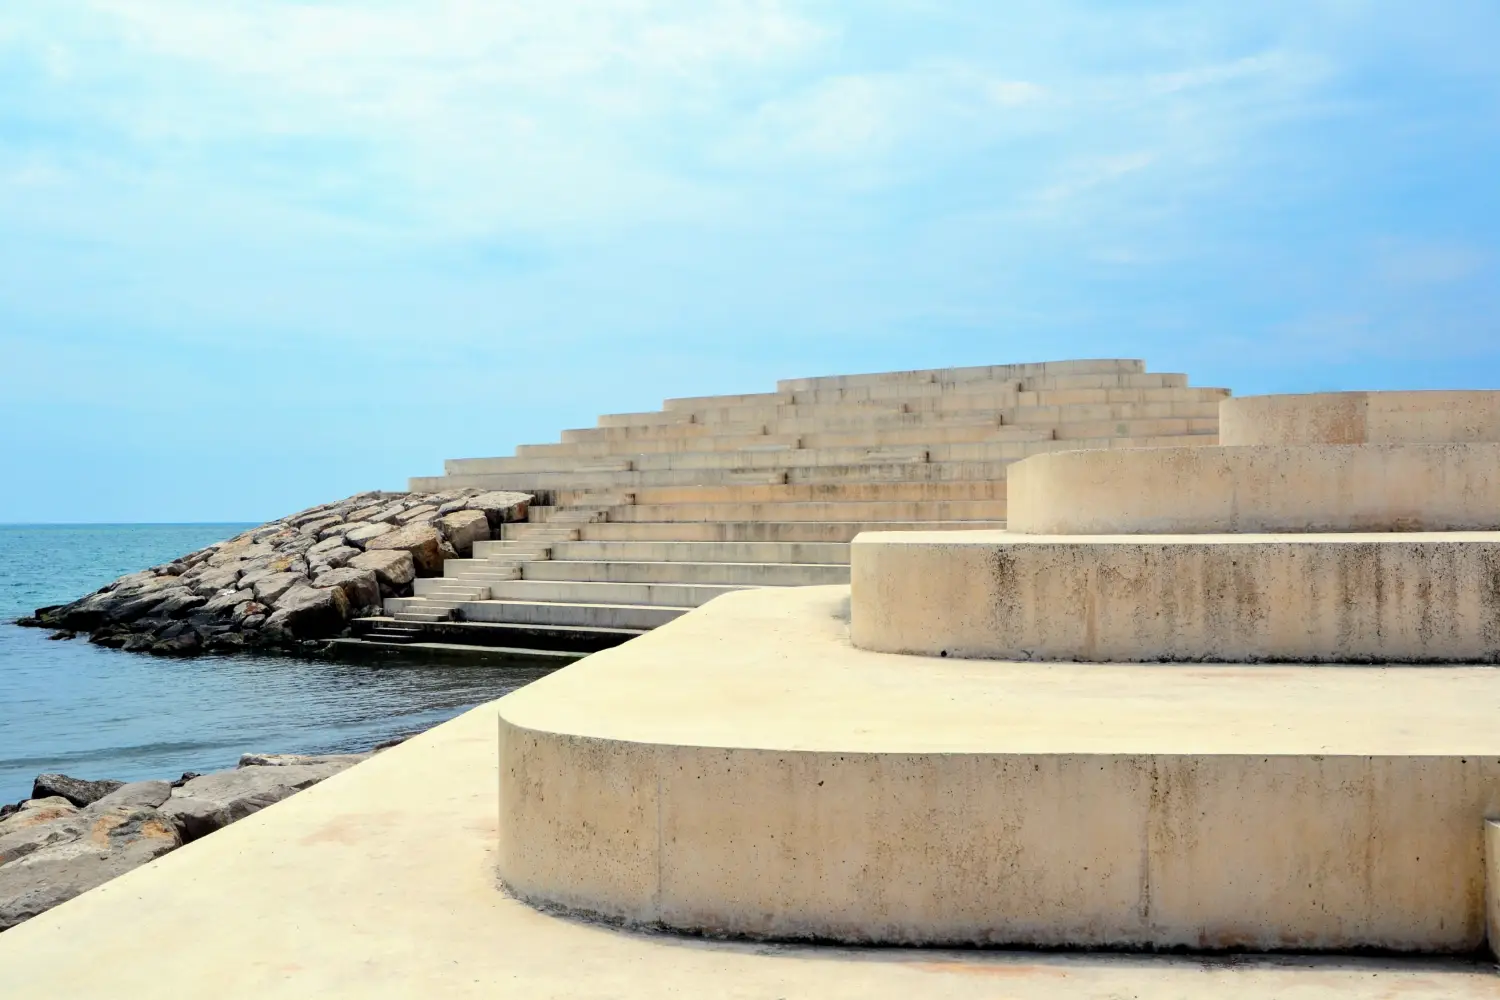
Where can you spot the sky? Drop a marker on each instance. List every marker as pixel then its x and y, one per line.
pixel 258 254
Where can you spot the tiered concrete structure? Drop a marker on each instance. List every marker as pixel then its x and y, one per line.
pixel 750 771
pixel 649 515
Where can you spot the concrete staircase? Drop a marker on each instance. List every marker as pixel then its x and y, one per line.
pixel 648 515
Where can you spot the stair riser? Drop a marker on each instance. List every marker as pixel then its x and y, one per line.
pixel 726 574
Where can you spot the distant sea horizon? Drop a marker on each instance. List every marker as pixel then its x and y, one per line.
pixel 92 712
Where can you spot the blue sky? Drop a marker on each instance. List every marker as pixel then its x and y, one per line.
pixel 255 254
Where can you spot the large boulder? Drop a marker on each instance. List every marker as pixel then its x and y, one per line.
pixel 331 559
pixel 207 803
pixel 394 568
pixel 271 588
pixel 463 528
pixel 309 612
pixel 360 537
pixel 501 506
pixel 358 585
pixel 418 513
pixel 423 542
pixel 75 790
pixel 92 847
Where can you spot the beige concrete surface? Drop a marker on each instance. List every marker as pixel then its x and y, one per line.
pixel 1405 597
pixel 1492 883
pixel 380 884
pixel 745 770
pixel 1265 488
pixel 1425 417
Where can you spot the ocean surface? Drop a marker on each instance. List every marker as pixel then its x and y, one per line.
pixel 103 713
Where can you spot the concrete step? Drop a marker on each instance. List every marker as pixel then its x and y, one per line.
pixel 741 574
pixel 769 531
pixel 966 374
pixel 993 489
pixel 522 531
pixel 650 445
pixel 864 511
pixel 513 635
pixel 675 595
pixel 454 589
pixel 816 553
pixel 549 613
pixel 869 472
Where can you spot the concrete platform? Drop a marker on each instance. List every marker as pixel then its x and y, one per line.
pixel 1262 488
pixel 1430 417
pixel 746 771
pixel 380 884
pixel 1413 597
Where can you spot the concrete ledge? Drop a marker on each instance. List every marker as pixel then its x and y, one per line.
pixel 745 771
pixel 1268 488
pixel 1431 417
pixel 1315 598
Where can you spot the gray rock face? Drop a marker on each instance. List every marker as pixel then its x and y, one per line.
pixel 75 790
pixel 80 852
pixel 271 588
pixel 416 513
pixel 392 567
pixel 309 612
pixel 501 506
pixel 331 558
pixel 227 601
pixel 421 540
pixel 359 585
pixel 360 537
pixel 463 528
pixel 206 804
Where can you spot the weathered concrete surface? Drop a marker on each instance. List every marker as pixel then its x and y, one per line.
pixel 379 883
pixel 1431 417
pixel 1325 598
pixel 1267 488
pixel 745 771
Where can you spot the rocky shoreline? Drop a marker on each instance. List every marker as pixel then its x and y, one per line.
pixel 290 584
pixel 72 835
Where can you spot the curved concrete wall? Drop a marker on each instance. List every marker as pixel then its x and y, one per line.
pixel 1432 417
pixel 744 771
pixel 1335 598
pixel 1316 488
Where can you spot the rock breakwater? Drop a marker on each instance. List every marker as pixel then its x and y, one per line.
pixel 291 583
pixel 73 835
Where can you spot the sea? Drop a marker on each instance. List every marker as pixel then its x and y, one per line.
pixel 90 712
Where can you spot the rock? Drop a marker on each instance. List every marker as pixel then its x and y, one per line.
pixel 389 511
pixel 463 528
pixel 391 567
pixel 212 581
pixel 360 537
pixel 421 540
pixel 183 644
pixel 75 790
pixel 452 505
pixel 179 603
pixel 227 601
pixel 271 589
pixel 501 506
pixel 34 812
pixel 332 558
pixel 64 634
pixel 365 513
pixel 84 851
pixel 149 794
pixel 248 608
pixel 416 513
pixel 313 527
pixel 213 801
pixel 447 551
pixel 251 623
pixel 287 759
pixel 327 544
pixel 337 531
pixel 309 612
pixel 359 585
pixel 133 608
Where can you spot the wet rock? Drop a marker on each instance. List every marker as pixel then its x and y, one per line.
pixel 179 603
pixel 421 540
pixel 393 568
pixel 182 644
pixel 63 634
pixel 75 790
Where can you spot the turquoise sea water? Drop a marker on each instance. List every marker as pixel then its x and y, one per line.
pixel 103 713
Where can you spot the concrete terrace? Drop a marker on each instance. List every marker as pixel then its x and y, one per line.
pixel 649 515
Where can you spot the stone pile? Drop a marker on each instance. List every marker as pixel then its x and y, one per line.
pixel 73 835
pixel 292 582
